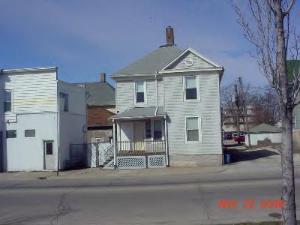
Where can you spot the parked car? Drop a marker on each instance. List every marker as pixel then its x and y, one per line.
pixel 239 138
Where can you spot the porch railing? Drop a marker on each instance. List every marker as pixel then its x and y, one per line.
pixel 141 147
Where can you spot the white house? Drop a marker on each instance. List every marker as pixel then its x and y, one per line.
pixel 168 109
pixel 40 116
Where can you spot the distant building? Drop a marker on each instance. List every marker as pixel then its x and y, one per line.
pixel 41 116
pixel 100 107
pixel 229 120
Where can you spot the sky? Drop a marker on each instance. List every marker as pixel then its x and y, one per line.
pixel 84 38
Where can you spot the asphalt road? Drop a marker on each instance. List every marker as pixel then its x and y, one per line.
pixel 176 204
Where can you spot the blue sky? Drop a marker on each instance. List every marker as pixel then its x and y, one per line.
pixel 84 38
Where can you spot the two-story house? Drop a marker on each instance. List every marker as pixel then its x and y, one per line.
pixel 168 105
pixel 40 116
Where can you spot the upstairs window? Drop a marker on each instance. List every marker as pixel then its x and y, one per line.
pixel 64 102
pixel 140 91
pixel 192 129
pixel 7 101
pixel 191 90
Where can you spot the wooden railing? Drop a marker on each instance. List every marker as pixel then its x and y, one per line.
pixel 136 147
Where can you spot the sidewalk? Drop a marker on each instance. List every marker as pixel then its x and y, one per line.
pixel 264 168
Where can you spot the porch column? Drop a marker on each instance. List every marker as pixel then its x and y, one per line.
pixel 115 143
pixel 166 141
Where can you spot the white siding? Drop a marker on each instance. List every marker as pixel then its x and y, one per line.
pixel 125 94
pixel 31 93
pixel 198 63
pixel 73 123
pixel 254 138
pixel 27 153
pixel 208 108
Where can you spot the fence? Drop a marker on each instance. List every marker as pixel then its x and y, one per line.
pixel 140 147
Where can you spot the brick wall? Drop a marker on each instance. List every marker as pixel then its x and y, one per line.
pixel 98 115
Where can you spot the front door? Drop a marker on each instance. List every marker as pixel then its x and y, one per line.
pixel 49 160
pixel 139 135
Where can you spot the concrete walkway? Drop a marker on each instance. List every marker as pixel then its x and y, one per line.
pixel 251 165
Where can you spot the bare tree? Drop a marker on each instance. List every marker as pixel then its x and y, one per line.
pixel 267 27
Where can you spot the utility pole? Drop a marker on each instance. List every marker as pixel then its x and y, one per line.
pixel 244 108
pixel 237 104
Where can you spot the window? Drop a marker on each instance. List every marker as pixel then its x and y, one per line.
pixel 192 129
pixel 49 148
pixel 191 91
pixel 64 102
pixel 140 91
pixel 157 130
pixel 7 100
pixel 11 134
pixel 148 129
pixel 30 133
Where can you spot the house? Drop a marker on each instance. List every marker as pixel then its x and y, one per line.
pixel 168 109
pixel 41 116
pixel 264 133
pixel 100 107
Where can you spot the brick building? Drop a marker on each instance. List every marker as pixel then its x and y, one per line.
pixel 100 107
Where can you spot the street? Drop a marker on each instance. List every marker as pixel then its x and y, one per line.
pixel 152 204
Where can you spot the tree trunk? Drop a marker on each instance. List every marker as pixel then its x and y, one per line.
pixel 288 182
pixel 287 164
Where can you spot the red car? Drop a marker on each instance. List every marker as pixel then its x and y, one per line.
pixel 239 138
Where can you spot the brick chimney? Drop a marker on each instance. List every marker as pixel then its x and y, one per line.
pixel 102 77
pixel 169 36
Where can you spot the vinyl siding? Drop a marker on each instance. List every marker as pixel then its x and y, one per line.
pixel 171 96
pixel 198 63
pixel 125 94
pixel 31 93
pixel 207 108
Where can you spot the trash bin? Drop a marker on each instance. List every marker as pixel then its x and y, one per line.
pixel 226 158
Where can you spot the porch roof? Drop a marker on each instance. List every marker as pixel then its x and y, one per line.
pixel 140 113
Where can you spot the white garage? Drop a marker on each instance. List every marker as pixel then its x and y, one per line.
pixel 264 132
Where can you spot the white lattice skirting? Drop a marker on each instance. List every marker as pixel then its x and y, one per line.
pixel 141 162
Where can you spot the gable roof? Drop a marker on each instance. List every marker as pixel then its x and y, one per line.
pixel 160 60
pixel 100 94
pixel 265 128
pixel 151 63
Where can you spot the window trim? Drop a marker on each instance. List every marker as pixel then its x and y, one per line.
pixel 197 88
pixel 11 100
pixel 199 129
pixel 145 92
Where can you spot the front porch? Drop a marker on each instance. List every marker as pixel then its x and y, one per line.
pixel 140 138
